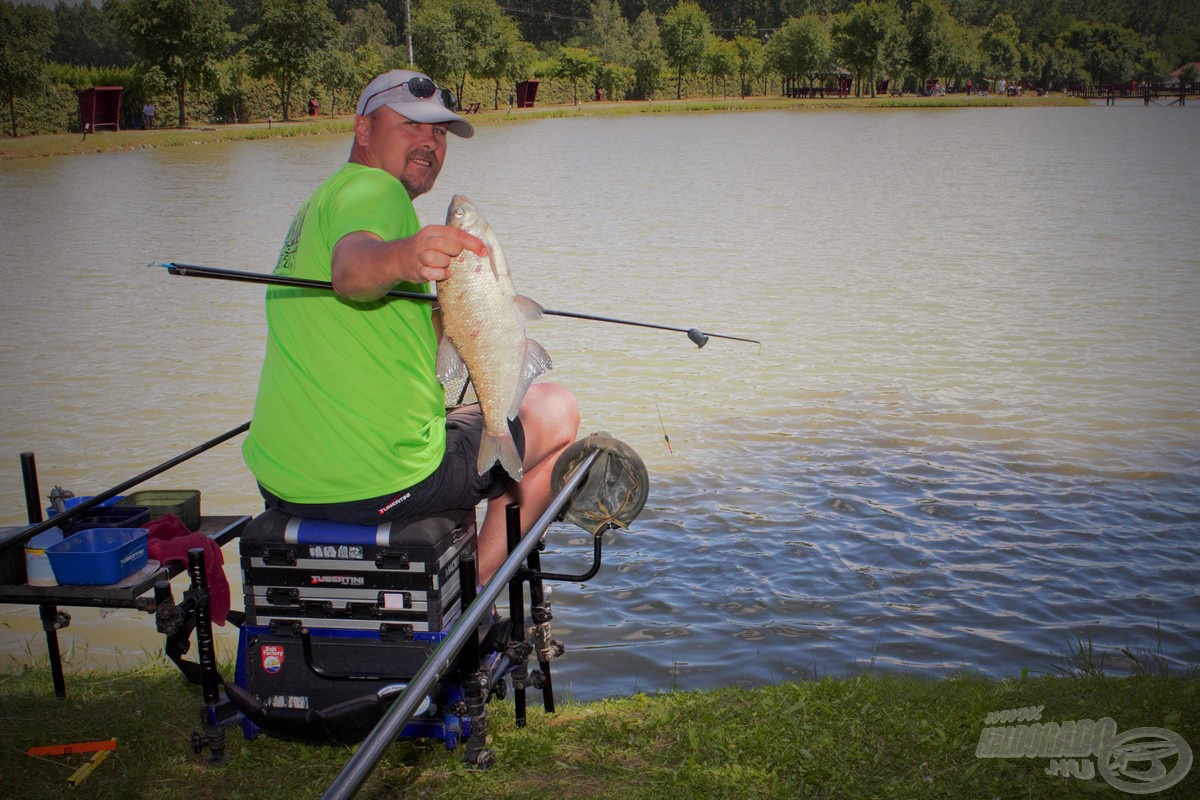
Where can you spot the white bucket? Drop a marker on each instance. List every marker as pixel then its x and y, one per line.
pixel 38 571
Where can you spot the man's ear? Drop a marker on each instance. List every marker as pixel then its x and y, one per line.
pixel 362 130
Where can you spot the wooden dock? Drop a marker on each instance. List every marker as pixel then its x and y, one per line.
pixel 1148 93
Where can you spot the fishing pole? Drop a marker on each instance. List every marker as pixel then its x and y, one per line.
pixel 698 337
pixel 466 627
pixel 29 472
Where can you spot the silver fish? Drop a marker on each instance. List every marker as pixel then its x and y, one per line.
pixel 483 321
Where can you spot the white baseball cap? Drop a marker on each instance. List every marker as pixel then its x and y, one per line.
pixel 416 97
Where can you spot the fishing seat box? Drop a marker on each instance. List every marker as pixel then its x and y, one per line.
pixel 337 614
pixel 354 577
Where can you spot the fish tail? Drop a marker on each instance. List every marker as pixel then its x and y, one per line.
pixel 500 447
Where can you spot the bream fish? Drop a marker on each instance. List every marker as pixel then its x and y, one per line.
pixel 483 324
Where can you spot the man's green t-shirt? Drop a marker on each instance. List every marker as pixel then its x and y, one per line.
pixel 349 406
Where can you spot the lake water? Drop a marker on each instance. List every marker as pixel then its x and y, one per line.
pixel 970 436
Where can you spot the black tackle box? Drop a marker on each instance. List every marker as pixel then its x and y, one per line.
pixel 395 578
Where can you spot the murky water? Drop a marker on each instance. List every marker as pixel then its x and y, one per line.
pixel 971 433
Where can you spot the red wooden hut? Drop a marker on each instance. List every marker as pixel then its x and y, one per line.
pixel 100 107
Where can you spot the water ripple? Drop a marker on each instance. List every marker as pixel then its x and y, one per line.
pixel 971 432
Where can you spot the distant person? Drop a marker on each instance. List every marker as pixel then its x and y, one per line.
pixel 148 114
pixel 313 106
pixel 511 100
pixel 969 87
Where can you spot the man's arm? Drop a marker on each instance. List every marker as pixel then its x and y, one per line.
pixel 366 267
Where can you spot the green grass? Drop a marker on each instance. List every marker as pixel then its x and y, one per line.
pixel 109 141
pixel 864 736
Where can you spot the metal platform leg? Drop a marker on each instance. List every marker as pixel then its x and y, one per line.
pixel 476 754
pixel 52 620
pixel 544 646
pixel 516 607
pixel 210 680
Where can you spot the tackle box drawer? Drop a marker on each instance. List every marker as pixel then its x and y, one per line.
pixel 354 577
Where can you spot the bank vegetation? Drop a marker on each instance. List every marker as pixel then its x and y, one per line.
pixel 213 62
pixel 869 735
pixel 63 144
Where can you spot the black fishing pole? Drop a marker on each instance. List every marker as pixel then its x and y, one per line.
pixel 698 337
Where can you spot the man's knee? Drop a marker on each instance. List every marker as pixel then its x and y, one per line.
pixel 565 409
pixel 553 408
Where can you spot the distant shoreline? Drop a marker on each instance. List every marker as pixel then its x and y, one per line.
pixel 66 144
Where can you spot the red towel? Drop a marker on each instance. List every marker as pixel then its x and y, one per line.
pixel 169 540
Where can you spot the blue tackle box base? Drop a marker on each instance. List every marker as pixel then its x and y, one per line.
pixel 335 685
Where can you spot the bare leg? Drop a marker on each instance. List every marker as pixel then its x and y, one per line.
pixel 550 417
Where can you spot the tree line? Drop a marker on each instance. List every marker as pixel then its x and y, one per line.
pixel 239 59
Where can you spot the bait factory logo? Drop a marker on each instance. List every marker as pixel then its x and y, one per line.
pixel 336 551
pixel 336 580
pixel 1138 761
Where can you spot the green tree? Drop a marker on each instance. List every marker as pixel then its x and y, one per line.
pixel 614 79
pixel 288 41
pixel 931 39
pixel 963 56
pixel 233 89
pixel 1152 67
pixel 801 47
pixel 88 36
pixel 869 40
pixel 508 58
pixel 649 62
pixel 1062 66
pixel 26 36
pixel 574 64
pixel 183 39
pixel 369 26
pixel 1111 53
pixel 1000 46
pixel 344 73
pixel 607 34
pixel 720 63
pixel 685 31
pixel 437 44
pixel 750 57
pixel 545 22
pixel 454 38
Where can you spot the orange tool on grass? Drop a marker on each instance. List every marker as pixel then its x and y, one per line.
pixel 68 749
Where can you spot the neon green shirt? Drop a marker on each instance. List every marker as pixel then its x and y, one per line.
pixel 349 406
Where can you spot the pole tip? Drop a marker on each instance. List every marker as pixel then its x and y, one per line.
pixel 698 338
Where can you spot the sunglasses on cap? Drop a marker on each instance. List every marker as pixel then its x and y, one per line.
pixel 418 88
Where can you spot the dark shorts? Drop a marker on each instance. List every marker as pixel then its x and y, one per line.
pixel 455 484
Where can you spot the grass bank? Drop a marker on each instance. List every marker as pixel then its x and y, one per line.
pixel 866 736
pixel 61 144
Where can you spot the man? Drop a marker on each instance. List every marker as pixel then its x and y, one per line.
pixel 350 421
